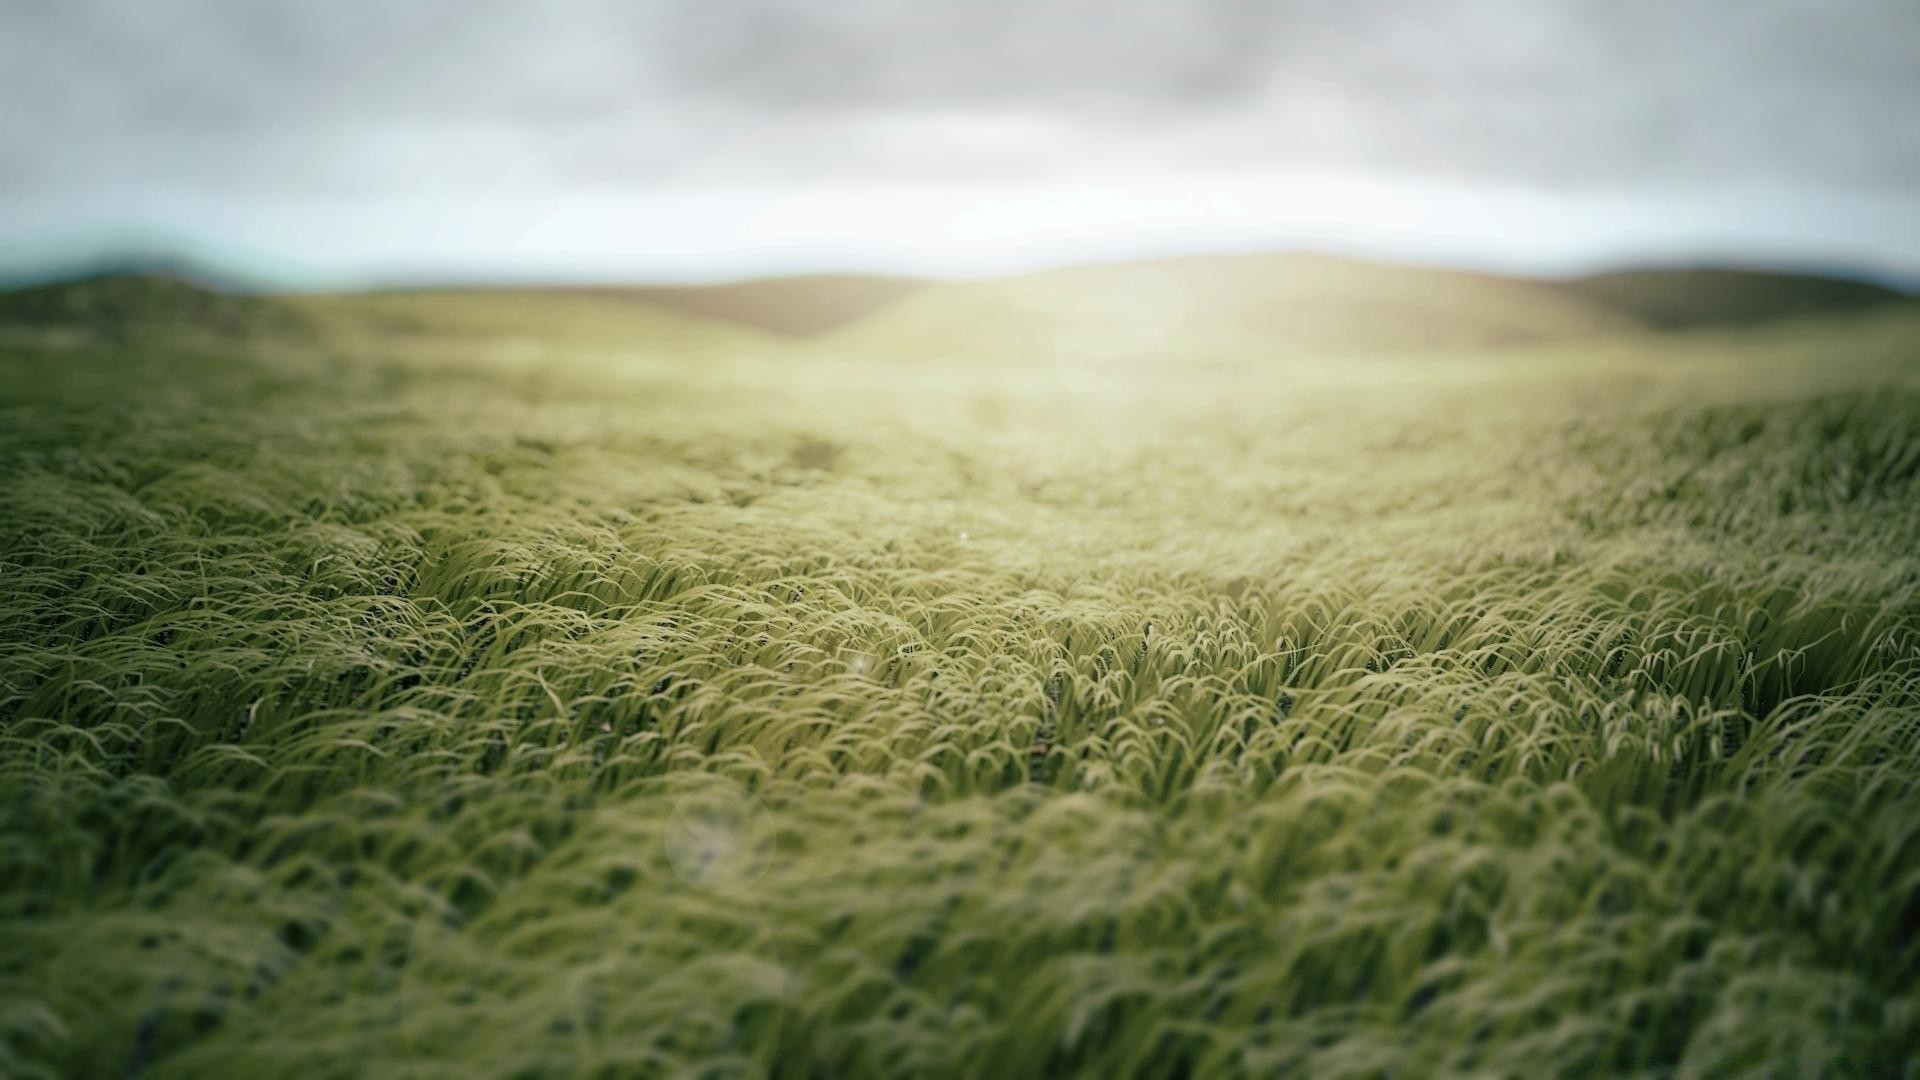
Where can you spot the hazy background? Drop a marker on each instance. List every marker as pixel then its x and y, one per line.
pixel 337 141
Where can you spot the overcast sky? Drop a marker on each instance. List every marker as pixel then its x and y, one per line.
pixel 342 139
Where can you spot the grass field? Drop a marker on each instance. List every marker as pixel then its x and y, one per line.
pixel 1180 669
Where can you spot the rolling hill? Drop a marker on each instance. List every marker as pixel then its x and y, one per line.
pixel 1192 306
pixel 1209 306
pixel 789 307
pixel 115 302
pixel 1684 299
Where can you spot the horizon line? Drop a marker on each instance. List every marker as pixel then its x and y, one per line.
pixel 234 272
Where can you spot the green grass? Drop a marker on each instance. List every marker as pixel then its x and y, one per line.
pixel 527 685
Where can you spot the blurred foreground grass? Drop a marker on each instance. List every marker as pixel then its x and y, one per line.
pixel 545 684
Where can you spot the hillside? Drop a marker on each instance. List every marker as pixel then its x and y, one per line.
pixel 1209 306
pixel 793 307
pixel 1189 306
pixel 116 303
pixel 1284 302
pixel 1682 299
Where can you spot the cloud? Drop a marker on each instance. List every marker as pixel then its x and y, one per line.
pixel 276 100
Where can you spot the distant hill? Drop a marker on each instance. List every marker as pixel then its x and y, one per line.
pixel 1681 299
pixel 796 307
pixel 115 302
pixel 1193 306
pixel 1296 300
pixel 505 316
pixel 1232 304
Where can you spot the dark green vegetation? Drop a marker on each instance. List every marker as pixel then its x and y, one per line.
pixel 1179 669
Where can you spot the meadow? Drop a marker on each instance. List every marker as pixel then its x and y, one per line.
pixel 1211 667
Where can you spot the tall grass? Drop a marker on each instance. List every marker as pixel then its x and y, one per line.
pixel 605 702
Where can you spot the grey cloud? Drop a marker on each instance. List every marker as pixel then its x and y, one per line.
pixel 794 53
pixel 352 98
